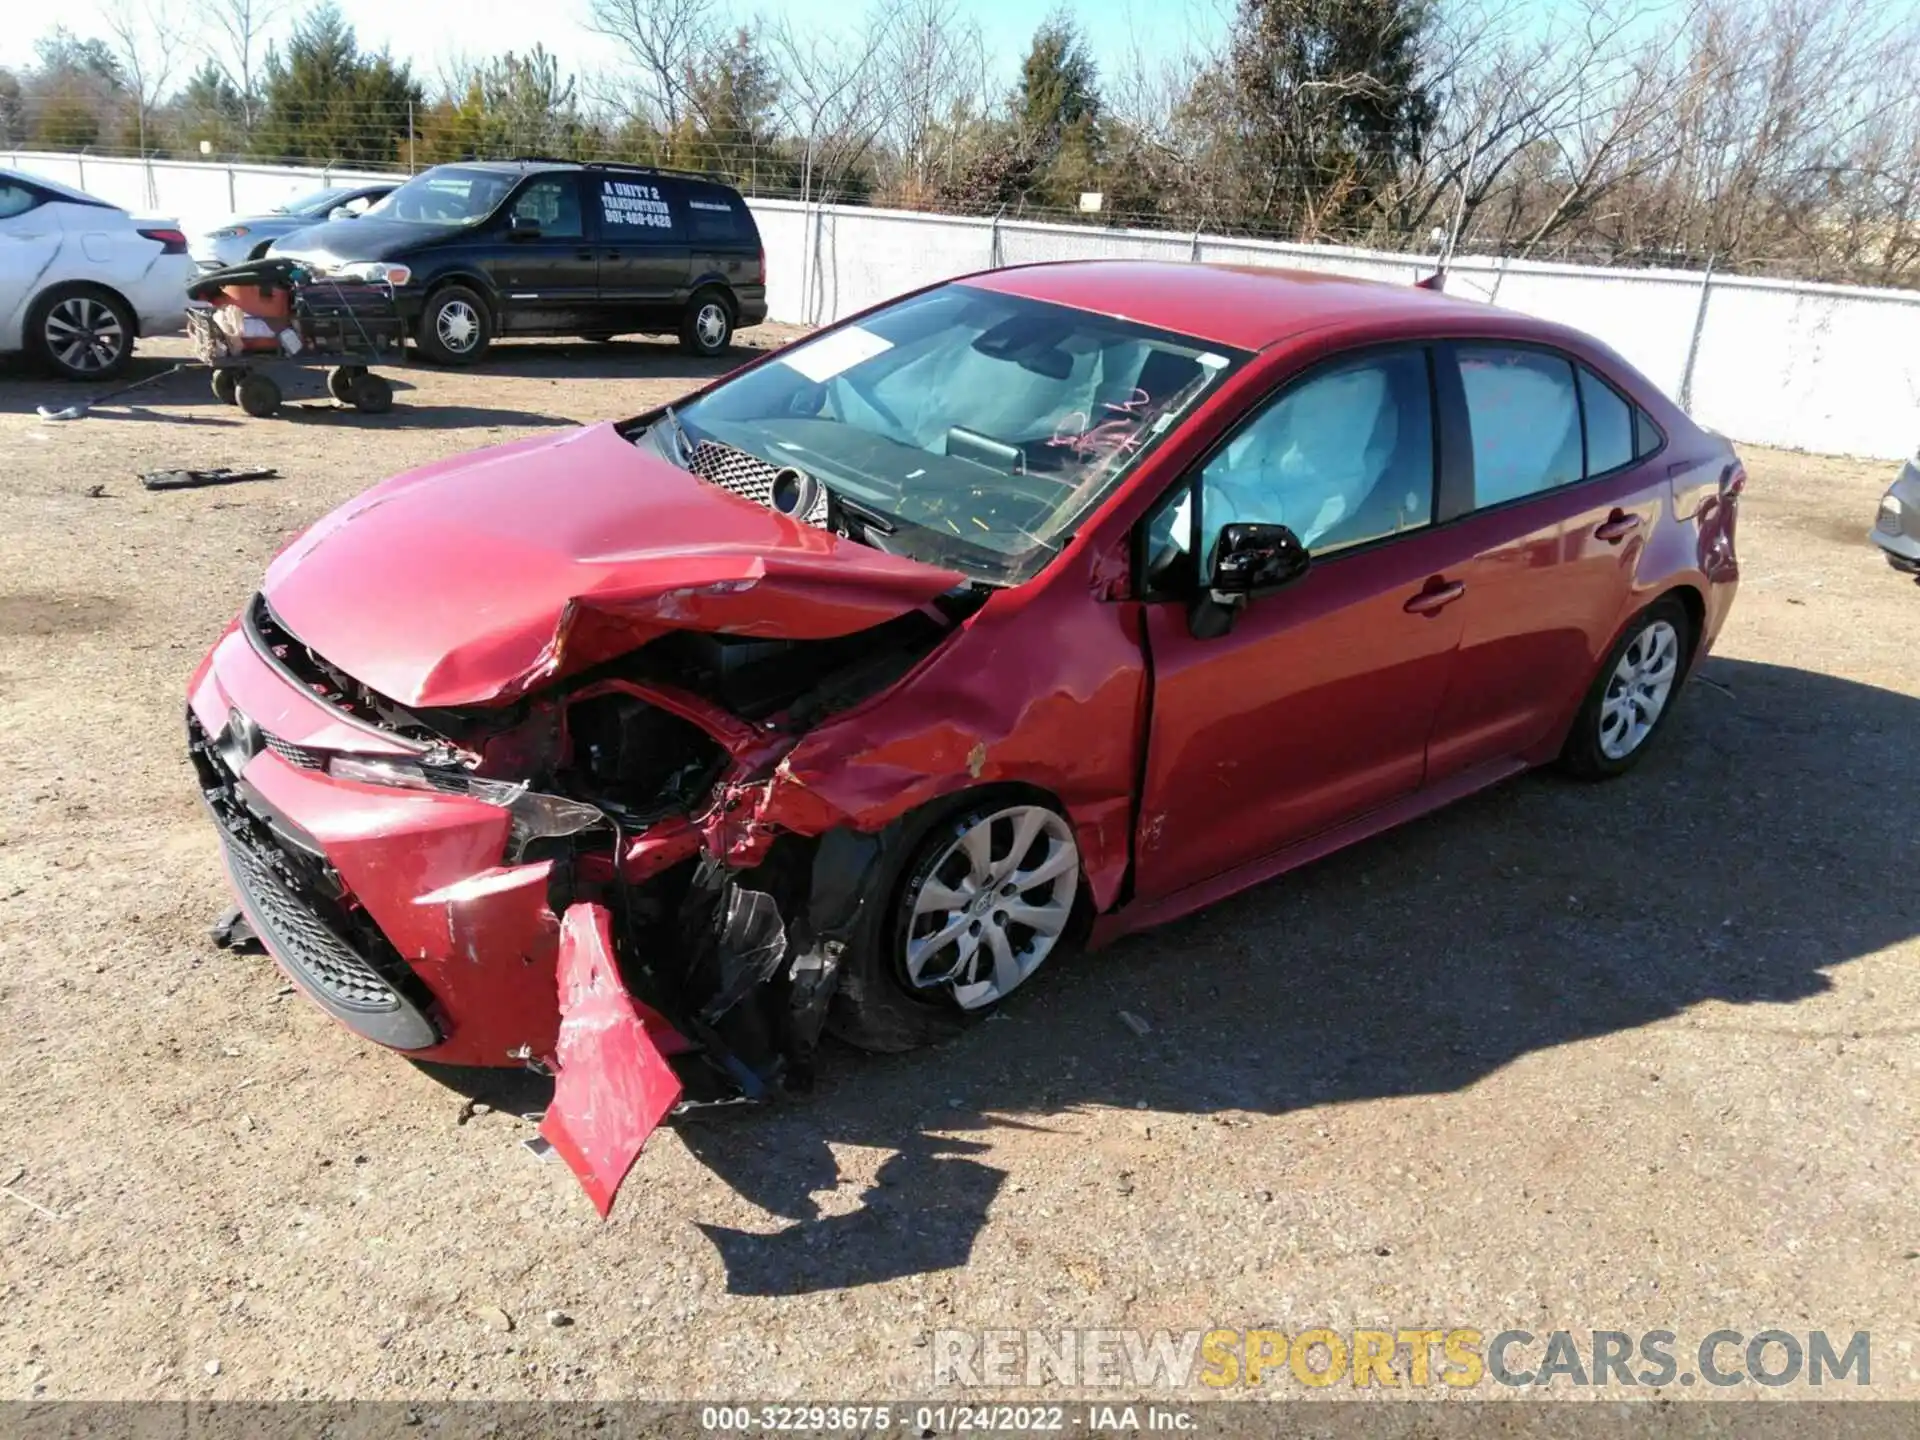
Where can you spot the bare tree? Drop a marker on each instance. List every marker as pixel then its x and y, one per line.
pixel 934 65
pixel 666 40
pixel 835 97
pixel 147 44
pixel 237 31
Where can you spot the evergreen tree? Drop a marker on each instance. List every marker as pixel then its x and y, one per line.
pixel 327 101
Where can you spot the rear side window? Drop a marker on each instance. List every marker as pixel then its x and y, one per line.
pixel 637 211
pixel 717 217
pixel 1525 419
pixel 16 200
pixel 1609 425
pixel 1646 434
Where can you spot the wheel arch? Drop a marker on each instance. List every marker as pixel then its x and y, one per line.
pixel 46 293
pixel 469 279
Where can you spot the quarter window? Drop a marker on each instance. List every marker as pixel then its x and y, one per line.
pixel 1609 425
pixel 16 200
pixel 1343 458
pixel 1525 421
pixel 712 217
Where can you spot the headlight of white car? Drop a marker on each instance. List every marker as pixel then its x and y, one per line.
pixel 376 272
pixel 232 232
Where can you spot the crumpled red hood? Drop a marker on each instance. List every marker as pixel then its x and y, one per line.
pixel 477 578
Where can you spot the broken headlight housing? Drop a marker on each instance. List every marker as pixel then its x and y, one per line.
pixel 533 816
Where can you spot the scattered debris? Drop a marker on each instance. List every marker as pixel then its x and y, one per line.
pixel 472 1108
pixel 95 492
pixel 1265 1197
pixel 213 1367
pixel 494 1318
pixel 12 1194
pixel 559 1319
pixel 1134 1023
pixel 233 931
pixel 78 411
pixel 539 1147
pixel 187 479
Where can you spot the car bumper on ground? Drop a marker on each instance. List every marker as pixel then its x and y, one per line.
pixel 1896 530
pixel 394 910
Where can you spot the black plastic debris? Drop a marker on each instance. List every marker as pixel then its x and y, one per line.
pixel 187 479
pixel 232 931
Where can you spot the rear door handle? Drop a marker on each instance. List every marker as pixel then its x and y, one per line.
pixel 1435 598
pixel 1618 526
pixel 583 255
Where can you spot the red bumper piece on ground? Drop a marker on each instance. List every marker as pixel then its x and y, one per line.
pixel 613 1086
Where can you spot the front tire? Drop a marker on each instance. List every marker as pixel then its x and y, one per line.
pixel 81 332
pixel 455 328
pixel 987 894
pixel 706 329
pixel 1633 694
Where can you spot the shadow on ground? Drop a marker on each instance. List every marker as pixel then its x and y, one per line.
pixel 1738 864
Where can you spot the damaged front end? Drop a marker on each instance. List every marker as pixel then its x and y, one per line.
pixel 695 934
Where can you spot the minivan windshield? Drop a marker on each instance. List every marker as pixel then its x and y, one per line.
pixel 446 195
pixel 979 427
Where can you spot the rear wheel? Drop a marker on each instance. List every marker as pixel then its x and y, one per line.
pixel 988 893
pixel 1633 693
pixel 454 328
pixel 81 332
pixel 707 326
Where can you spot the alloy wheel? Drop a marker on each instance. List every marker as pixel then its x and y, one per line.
pixel 993 906
pixel 710 325
pixel 458 326
pixel 1638 689
pixel 84 335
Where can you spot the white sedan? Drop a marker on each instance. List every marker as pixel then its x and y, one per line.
pixel 81 279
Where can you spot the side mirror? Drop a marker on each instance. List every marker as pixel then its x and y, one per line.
pixel 1248 560
pixel 523 227
pixel 341 212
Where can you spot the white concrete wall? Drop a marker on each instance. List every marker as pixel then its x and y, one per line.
pixel 1828 368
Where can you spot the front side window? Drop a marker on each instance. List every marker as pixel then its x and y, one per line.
pixel 447 195
pixel 981 426
pixel 1341 458
pixel 1525 420
pixel 553 205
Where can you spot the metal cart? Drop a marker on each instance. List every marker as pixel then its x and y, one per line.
pixel 343 327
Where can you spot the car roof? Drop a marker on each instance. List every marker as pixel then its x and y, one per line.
pixel 1243 306
pixel 54 187
pixel 533 164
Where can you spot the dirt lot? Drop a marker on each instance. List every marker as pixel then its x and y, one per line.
pixel 1634 1056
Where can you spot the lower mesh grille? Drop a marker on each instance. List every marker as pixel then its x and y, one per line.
pixel 294 754
pixel 327 961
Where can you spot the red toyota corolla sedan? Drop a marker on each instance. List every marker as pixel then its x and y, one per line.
pixel 1051 601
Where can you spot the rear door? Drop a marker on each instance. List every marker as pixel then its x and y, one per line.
pixel 644 254
pixel 725 245
pixel 1557 511
pixel 542 261
pixel 30 238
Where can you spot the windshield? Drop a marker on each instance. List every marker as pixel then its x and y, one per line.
pixel 446 195
pixel 981 427
pixel 318 203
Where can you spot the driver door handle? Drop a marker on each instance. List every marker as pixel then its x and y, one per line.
pixel 1435 598
pixel 1618 526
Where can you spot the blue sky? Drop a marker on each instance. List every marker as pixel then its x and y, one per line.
pixel 432 33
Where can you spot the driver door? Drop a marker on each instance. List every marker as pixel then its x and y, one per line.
pixel 541 263
pixel 1315 707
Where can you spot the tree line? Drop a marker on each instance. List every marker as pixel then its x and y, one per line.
pixel 1769 136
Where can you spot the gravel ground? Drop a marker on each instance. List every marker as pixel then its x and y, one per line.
pixel 1633 1056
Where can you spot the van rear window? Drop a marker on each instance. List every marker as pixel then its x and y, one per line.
pixel 719 218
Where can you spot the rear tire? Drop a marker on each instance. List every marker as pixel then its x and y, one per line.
pixel 455 328
pixel 258 396
pixel 1633 693
pixel 706 329
pixel 81 332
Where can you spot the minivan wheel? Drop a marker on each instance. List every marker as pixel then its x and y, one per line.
pixel 454 328
pixel 987 894
pixel 707 326
pixel 81 332
pixel 1633 694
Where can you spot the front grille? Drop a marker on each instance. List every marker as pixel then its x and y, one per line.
pixel 299 664
pixel 747 476
pixel 1889 521
pixel 295 754
pixel 300 906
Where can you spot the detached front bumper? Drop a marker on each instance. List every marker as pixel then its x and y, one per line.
pixel 393 910
pixel 1896 529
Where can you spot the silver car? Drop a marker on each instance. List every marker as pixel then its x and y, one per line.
pixel 1897 530
pixel 246 237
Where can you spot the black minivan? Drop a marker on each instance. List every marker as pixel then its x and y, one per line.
pixel 481 249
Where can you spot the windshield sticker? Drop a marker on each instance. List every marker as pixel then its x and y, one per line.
pixel 820 360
